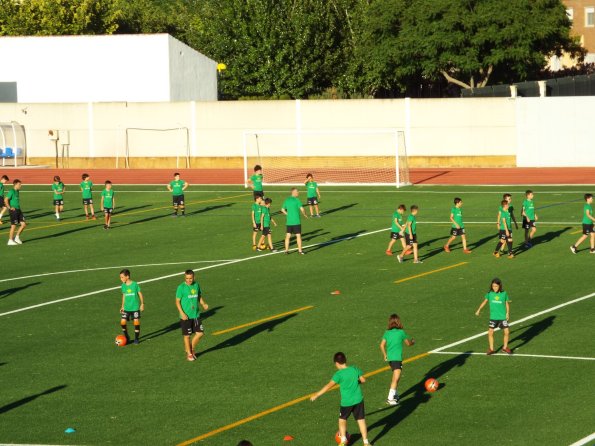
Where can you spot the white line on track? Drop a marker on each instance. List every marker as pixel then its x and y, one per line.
pixel 531 316
pixel 33 276
pixel 517 354
pixel 585 440
pixel 168 276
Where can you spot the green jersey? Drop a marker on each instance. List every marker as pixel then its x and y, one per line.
pixel 58 189
pixel 13 199
pixel 293 205
pixel 257 210
pixel 394 343
pixel 266 221
pixel 131 297
pixel 2 194
pixel 348 380
pixel 413 221
pixel 586 219
pixel 311 187
pixel 257 182
pixel 505 215
pixel 457 216
pixel 177 187
pixel 497 303
pixel 108 198
pixel 396 216
pixel 189 297
pixel 529 209
pixel 87 189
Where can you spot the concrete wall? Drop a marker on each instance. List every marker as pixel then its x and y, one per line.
pixel 440 133
pixel 134 68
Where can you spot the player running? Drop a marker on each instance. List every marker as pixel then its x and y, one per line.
pixel 177 188
pixel 499 314
pixel 133 303
pixel 458 227
pixel 397 229
pixel 588 221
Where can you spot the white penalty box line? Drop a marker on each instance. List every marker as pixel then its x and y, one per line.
pixel 522 355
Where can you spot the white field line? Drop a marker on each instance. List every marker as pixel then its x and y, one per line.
pixel 585 440
pixel 517 354
pixel 168 276
pixel 55 273
pixel 526 318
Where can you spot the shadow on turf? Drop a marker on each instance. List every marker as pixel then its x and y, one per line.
pixel 339 209
pixel 128 209
pixel 60 234
pixel 483 241
pixel 210 208
pixel 11 291
pixel 528 333
pixel 543 238
pixel 250 333
pixel 176 325
pixel 28 399
pixel 412 398
pixel 306 237
pixel 337 239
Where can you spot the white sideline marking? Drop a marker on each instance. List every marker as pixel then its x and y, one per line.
pixel 585 440
pixel 531 316
pixel 109 267
pixel 516 354
pixel 229 262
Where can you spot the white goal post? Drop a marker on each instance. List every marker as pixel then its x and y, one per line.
pixel 157 143
pixel 351 156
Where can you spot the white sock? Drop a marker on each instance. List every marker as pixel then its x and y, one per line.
pixel 392 393
pixel 366 441
pixel 344 439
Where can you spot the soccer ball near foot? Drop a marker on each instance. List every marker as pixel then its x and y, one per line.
pixel 338 437
pixel 120 340
pixel 432 384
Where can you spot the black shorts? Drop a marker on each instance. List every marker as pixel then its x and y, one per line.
pixel 58 202
pixel 256 227
pixel 190 326
pixel 108 211
pixel 358 411
pixel 294 229
pixel 258 193
pixel 16 217
pixel 454 231
pixel 587 229
pixel 396 235
pixel 312 200
pixel 527 224
pixel 502 234
pixel 178 200
pixel 130 315
pixel 498 324
pixel 395 365
pixel 410 239
pixel 266 230
pixel 87 201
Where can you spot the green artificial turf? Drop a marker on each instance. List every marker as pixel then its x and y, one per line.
pixel 59 366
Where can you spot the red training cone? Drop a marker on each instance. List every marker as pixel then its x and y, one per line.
pixel 336 292
pixel 287 438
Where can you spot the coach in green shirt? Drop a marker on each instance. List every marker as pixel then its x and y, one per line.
pixel 292 208
pixel 188 297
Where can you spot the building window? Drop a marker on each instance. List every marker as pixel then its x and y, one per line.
pixel 570 14
pixel 590 16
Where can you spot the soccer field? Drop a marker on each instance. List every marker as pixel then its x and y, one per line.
pixel 273 324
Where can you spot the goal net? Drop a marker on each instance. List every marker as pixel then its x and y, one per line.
pixel 157 143
pixel 333 156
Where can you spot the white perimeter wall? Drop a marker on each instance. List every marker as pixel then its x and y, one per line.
pixel 134 68
pixel 539 131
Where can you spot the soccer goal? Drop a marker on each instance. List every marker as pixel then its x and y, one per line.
pixel 13 144
pixel 333 156
pixel 157 143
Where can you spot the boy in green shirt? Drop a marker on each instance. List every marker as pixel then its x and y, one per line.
pixel 3 207
pixel 256 215
pixel 108 203
pixel 499 314
pixel 391 347
pixel 266 226
pixel 292 207
pixel 87 191
pixel 505 230
pixel 349 380
pixel 133 303
pixel 255 181
pixel 13 202
pixel 529 218
pixel 458 227
pixel 188 296
pixel 411 236
pixel 313 194
pixel 397 229
pixel 508 198
pixel 58 190
pixel 588 221
pixel 177 188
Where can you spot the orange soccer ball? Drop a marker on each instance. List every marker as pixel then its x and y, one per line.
pixel 431 384
pixel 120 340
pixel 338 437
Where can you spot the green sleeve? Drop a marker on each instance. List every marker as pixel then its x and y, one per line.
pixel 178 293
pixel 336 378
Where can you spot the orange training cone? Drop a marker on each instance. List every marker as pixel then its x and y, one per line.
pixel 287 438
pixel 336 292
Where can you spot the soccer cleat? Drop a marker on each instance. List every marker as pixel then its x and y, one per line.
pixel 490 352
pixel 317 215
pixel 93 217
pixel 573 249
pixel 190 357
pixel 400 259
pixel 417 261
pixel 258 249
pixel 392 402
pixel 1 222
pixel 467 251
pixel 497 255
pixel 528 245
pixel 388 252
pixel 87 217
pixel 507 350
pixel 302 253
pixel 17 240
pixel 274 250
pixel 12 243
pixel 104 226
pixel 287 252
pixel 592 251
pixel 136 342
pixel 446 248
pixel 510 256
